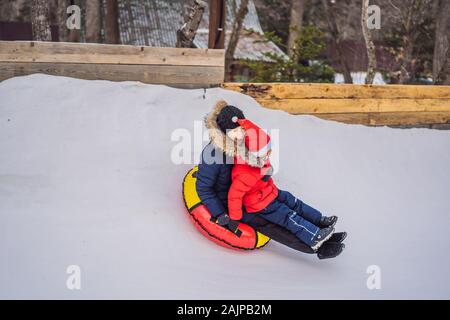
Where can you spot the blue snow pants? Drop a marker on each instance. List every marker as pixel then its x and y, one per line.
pixel 292 214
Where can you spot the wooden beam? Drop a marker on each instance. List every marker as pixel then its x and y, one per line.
pixel 157 74
pixel 362 104
pixel 216 33
pixel 389 118
pixel 57 52
pixel 185 66
pixel 112 33
pixel 278 91
pixel 319 106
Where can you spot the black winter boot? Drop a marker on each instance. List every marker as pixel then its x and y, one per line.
pixel 337 237
pixel 322 236
pixel 330 250
pixel 326 222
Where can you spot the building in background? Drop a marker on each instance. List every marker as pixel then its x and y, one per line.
pixel 153 23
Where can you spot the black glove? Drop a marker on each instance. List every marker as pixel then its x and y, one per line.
pixel 233 227
pixel 223 219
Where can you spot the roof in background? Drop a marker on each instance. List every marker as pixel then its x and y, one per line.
pixel 155 22
pixel 246 48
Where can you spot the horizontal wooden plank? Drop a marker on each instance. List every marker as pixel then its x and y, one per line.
pixel 390 118
pixel 349 118
pixel 409 118
pixel 145 73
pixel 320 106
pixel 275 91
pixel 395 105
pixel 64 52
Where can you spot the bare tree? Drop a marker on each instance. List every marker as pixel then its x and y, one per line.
pixel 40 20
pixel 408 44
pixel 62 18
pixel 295 24
pixel 13 10
pixel 411 16
pixel 234 37
pixel 370 46
pixel 336 38
pixel 441 55
pixel 112 34
pixel 74 34
pixel 186 34
pixel 93 21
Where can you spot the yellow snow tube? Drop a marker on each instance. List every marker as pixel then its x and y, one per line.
pixel 248 240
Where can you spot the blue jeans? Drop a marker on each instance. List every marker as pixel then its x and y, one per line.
pixel 304 210
pixel 292 214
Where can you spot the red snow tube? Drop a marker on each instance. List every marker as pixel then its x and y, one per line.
pixel 249 239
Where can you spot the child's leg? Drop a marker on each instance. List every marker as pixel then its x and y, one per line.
pixel 279 213
pixel 278 233
pixel 304 210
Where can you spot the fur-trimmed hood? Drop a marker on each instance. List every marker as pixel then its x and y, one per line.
pixel 222 142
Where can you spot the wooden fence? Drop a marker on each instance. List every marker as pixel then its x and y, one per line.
pixel 175 66
pixel 363 104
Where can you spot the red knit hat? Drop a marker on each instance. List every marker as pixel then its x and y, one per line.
pixel 257 140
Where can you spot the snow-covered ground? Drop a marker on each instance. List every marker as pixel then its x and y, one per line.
pixel 86 179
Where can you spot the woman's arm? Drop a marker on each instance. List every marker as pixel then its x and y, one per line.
pixel 206 179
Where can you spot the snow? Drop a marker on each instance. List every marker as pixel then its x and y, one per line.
pixel 86 179
pixel 360 78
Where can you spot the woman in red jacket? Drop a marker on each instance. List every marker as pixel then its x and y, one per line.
pixel 252 188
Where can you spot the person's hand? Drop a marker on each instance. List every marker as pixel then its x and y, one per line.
pixel 233 227
pixel 223 219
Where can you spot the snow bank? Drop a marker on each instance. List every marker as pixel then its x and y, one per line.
pixel 86 179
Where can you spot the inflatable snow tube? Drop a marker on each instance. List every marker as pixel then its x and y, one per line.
pixel 249 238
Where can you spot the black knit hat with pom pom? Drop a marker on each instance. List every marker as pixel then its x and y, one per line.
pixel 227 118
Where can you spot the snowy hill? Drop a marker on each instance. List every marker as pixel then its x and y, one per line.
pixel 86 179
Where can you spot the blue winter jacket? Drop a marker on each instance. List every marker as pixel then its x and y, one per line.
pixel 213 181
pixel 216 163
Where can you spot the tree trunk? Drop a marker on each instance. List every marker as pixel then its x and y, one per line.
pixel 186 34
pixel 441 44
pixel 336 37
pixel 112 34
pixel 93 21
pixel 446 80
pixel 408 44
pixel 62 19
pixel 53 9
pixel 295 24
pixel 39 20
pixel 411 15
pixel 216 34
pixel 74 34
pixel 234 37
pixel 406 64
pixel 370 47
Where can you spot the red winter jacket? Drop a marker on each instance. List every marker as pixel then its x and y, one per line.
pixel 249 189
